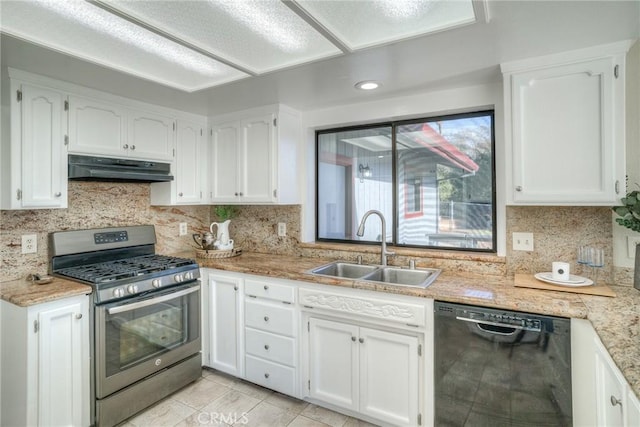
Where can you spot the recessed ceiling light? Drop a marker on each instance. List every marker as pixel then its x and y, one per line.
pixel 367 85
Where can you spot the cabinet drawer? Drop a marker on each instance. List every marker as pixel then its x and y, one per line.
pixel 271 375
pixel 270 317
pixel 268 346
pixel 269 290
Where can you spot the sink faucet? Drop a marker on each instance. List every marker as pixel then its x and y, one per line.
pixel 360 233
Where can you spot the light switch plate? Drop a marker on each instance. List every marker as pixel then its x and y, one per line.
pixel 523 242
pixel 183 229
pixel 282 229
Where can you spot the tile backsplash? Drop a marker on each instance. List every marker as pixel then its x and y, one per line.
pixel 557 231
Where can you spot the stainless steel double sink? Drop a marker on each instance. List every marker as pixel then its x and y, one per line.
pixel 418 277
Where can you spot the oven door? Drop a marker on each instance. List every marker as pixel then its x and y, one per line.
pixel 140 336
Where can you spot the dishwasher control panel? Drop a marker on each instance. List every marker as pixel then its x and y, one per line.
pixel 501 319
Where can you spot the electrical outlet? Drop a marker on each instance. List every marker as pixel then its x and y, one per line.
pixel 632 241
pixel 523 242
pixel 183 229
pixel 29 243
pixel 282 229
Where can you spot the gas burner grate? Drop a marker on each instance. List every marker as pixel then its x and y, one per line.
pixel 111 271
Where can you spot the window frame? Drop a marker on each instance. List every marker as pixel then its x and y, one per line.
pixel 394 124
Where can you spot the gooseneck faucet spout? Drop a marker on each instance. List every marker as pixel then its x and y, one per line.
pixel 383 252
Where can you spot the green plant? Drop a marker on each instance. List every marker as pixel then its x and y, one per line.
pixel 225 212
pixel 629 211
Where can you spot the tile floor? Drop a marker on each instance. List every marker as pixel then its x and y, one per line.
pixel 221 400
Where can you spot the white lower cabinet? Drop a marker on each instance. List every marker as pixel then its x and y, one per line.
pixel 601 395
pixel 224 351
pixel 354 351
pixel 271 330
pixel 45 375
pixel 370 371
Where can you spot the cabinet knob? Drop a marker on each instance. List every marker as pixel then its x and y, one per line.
pixel 266 318
pixel 125 146
pixel 615 401
pixel 361 340
pixel 79 316
pixel 266 375
pixel 133 147
pixel 180 194
pixel 58 194
pixel 353 339
pixel 240 194
pixel 519 188
pixel 235 288
pixel 266 346
pixel 266 288
pixel 235 194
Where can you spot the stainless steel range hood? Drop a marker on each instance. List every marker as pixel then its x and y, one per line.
pixel 89 168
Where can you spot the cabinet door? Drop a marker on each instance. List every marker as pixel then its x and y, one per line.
pixel 257 160
pixel 63 366
pixel 333 361
pixel 151 136
pixel 633 409
pixel 188 184
pixel 224 328
pixel 44 156
pixel 224 154
pixel 567 145
pixel 96 128
pixel 610 389
pixel 389 372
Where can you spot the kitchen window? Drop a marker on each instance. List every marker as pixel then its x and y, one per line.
pixel 432 178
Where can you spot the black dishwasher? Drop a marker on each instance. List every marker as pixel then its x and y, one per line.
pixel 501 368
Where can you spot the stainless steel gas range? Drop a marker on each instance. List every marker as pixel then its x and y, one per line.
pixel 146 316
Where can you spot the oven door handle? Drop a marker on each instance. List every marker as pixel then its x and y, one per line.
pixel 135 305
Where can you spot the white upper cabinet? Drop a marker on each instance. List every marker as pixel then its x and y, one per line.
pixel 254 157
pixel 224 153
pixel 564 120
pixel 188 169
pixel 34 161
pixel 97 127
pixel 104 128
pixel 151 135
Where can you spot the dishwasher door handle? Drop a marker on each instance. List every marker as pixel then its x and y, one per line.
pixel 502 325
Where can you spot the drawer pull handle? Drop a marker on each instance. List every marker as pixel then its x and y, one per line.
pixel 615 401
pixel 361 340
pixel 266 375
pixel 353 339
pixel 266 346
pixel 266 288
pixel 266 318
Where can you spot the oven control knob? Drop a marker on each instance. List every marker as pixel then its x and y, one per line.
pixel 118 292
pixel 178 277
pixel 156 283
pixel 188 275
pixel 132 289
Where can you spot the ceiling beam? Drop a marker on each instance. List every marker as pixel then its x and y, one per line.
pixel 111 9
pixel 324 31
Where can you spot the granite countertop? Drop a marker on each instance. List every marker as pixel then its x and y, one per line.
pixel 25 293
pixel 616 320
